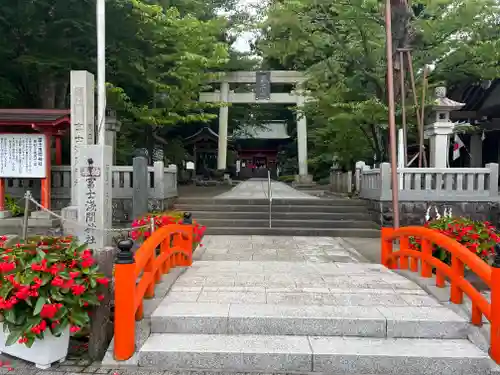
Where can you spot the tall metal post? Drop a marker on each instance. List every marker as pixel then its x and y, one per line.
pixel 392 120
pixel 101 71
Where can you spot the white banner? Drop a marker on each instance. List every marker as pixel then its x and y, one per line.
pixel 23 156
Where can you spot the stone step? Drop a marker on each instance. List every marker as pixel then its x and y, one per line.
pixel 281 215
pixel 313 201
pixel 280 223
pixel 299 231
pixel 264 319
pixel 305 354
pixel 265 208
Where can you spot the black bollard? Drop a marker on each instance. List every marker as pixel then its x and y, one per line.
pixel 125 256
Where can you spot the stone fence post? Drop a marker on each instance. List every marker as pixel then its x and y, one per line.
pixel 493 167
pixel 159 180
pixel 140 184
pixel 385 181
pixel 359 167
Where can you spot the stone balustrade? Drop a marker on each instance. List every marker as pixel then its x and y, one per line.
pixel 470 192
pixel 432 184
pixel 341 182
pixel 162 187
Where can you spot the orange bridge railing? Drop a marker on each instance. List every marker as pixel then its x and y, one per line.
pixel 424 261
pixel 136 276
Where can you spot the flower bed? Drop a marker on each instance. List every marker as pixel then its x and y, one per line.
pixel 49 284
pixel 479 237
pixel 162 219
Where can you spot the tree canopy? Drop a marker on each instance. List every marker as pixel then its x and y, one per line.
pixel 160 54
pixel 341 47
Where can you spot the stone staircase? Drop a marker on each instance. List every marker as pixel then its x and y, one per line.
pixel 319 318
pixel 290 217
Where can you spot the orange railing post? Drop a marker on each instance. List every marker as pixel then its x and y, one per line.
pixel 386 248
pixel 426 254
pixel 124 301
pixel 457 268
pixel 188 221
pixel 495 308
pixel 136 276
pixel 460 258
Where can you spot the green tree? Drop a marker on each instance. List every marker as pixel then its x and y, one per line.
pixel 341 47
pixel 160 55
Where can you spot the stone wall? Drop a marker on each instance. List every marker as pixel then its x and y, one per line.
pixel 413 213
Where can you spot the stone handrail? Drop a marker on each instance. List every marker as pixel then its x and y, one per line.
pixel 431 184
pixel 162 182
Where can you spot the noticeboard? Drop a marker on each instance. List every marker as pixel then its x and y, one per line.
pixel 23 156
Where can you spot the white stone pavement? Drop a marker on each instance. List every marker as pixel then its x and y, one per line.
pixel 303 305
pixel 258 189
pixel 297 270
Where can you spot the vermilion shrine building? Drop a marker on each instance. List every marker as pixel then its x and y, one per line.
pixel 35 153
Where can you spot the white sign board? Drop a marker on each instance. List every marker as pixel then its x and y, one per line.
pixel 23 156
pixel 190 166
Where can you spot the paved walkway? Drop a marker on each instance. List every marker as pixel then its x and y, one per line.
pixel 258 189
pixel 296 270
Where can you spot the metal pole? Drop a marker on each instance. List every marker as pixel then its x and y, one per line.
pixel 101 70
pixel 26 214
pixel 403 107
pixel 391 120
pixel 269 195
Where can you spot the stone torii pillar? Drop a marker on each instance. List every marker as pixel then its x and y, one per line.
pixel 302 139
pixel 223 124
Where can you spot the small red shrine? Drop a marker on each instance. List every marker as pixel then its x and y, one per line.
pixel 52 124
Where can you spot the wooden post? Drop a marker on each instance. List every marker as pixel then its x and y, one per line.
pixel 46 182
pixel 58 150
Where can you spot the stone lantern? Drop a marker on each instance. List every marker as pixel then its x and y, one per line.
pixel 112 126
pixel 440 127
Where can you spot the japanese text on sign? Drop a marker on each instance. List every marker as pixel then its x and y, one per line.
pixel 22 156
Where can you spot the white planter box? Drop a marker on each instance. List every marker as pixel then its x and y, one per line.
pixel 42 353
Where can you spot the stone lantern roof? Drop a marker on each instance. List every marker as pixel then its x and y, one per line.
pixel 443 103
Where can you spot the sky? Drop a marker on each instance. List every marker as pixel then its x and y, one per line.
pixel 242 43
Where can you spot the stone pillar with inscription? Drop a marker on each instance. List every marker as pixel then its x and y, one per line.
pixel 95 196
pixel 82 122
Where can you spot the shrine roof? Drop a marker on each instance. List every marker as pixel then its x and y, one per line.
pixel 36 119
pixel 203 131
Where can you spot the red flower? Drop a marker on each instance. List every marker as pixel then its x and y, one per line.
pixel 50 310
pixel 87 263
pixel 74 329
pixel 58 281
pixel 102 281
pixel 23 292
pixel 78 289
pixel 8 304
pixel 7 267
pixel 39 328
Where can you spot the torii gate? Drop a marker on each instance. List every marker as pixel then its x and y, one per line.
pixel 261 95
